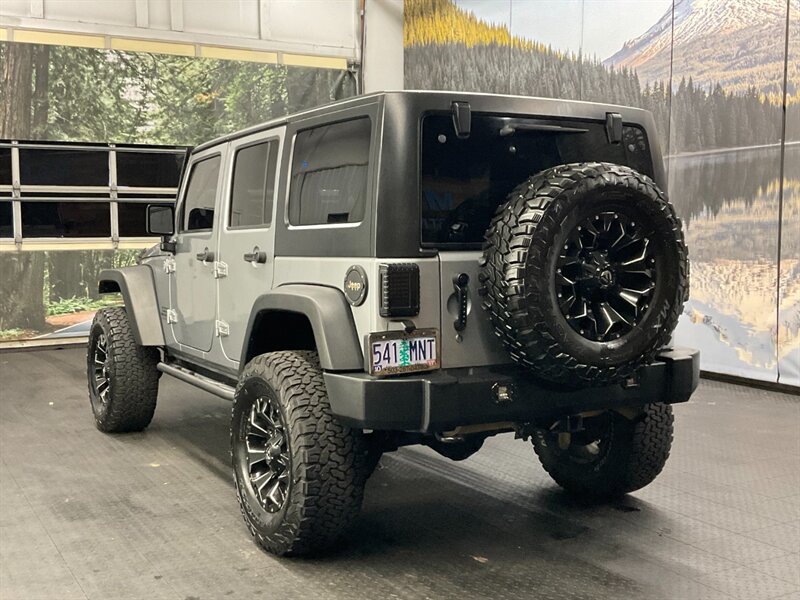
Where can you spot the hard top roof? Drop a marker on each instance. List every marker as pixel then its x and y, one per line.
pixel 546 106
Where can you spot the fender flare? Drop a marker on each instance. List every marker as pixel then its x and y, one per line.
pixel 331 321
pixel 139 295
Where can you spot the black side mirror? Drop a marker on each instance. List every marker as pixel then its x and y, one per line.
pixel 160 219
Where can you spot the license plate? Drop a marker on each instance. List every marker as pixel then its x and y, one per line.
pixel 395 352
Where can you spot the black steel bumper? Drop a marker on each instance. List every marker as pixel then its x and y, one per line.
pixel 442 400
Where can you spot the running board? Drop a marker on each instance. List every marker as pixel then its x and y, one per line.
pixel 201 381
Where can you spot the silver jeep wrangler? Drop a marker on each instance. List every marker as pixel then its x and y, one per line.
pixel 410 268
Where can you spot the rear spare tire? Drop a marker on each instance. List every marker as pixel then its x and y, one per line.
pixel 585 272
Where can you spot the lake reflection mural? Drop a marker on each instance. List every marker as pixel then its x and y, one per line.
pixel 712 73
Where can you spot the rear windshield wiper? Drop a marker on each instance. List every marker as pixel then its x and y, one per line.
pixel 511 126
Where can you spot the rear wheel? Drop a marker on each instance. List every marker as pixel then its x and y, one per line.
pixel 123 378
pixel 612 455
pixel 299 473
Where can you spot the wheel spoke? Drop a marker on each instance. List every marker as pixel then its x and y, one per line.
pixel 621 237
pixel 256 428
pixel 632 296
pixel 562 279
pixel 261 480
pixel 608 317
pixel 267 453
pixel 255 455
pixel 638 258
pixel 566 304
pixel 276 494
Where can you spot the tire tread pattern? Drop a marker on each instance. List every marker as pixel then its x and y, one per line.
pixel 133 377
pixel 329 460
pixel 515 250
pixel 641 450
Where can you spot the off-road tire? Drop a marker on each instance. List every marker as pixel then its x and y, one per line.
pixel 517 277
pixel 132 375
pixel 636 453
pixel 327 460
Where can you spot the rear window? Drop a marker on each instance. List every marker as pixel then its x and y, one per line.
pixel 464 180
pixel 329 174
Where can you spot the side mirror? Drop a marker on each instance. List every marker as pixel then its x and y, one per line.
pixel 160 219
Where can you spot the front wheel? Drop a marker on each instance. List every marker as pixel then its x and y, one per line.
pixel 612 455
pixel 123 376
pixel 299 472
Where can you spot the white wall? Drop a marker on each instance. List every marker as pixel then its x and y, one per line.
pixel 383 59
pixel 317 27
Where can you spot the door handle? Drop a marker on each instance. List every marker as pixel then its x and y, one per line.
pixel 205 255
pixel 256 256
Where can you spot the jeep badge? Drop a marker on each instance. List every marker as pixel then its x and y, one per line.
pixel 355 285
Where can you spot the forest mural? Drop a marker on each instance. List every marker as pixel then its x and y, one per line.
pixel 717 78
pixel 81 94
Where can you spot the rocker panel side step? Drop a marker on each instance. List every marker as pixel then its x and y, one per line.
pixel 196 379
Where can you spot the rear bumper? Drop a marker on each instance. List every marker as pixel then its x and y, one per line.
pixel 442 400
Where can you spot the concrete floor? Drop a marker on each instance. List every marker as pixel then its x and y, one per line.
pixel 153 515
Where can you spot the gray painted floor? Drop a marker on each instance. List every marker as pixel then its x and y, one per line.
pixel 153 515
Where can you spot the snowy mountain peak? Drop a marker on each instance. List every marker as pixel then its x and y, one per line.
pixel 705 33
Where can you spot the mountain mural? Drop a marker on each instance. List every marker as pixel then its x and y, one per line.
pixel 738 44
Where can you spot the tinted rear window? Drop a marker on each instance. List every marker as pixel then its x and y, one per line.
pixel 329 174
pixel 464 180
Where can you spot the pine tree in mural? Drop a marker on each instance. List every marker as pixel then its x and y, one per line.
pixel 448 48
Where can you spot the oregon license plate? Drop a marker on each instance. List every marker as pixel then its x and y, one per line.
pixel 395 352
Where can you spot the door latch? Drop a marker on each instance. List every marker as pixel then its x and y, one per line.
pixel 460 284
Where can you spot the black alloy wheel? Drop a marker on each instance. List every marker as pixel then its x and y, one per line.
pixel 606 276
pixel 268 459
pixel 101 376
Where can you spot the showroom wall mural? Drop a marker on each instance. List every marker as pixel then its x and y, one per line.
pixel 62 93
pixel 712 72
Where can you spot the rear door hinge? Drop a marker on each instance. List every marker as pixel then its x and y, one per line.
pixel 172 315
pixel 220 269
pixel 222 328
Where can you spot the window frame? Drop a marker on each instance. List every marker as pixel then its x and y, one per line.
pixel 273 138
pixel 193 162
pixel 371 166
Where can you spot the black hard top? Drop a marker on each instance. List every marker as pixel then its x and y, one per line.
pixel 441 100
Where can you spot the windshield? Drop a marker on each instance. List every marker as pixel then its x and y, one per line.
pixel 464 180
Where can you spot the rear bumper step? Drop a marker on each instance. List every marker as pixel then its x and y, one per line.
pixel 441 400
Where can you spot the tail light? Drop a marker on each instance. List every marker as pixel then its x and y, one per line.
pixel 399 290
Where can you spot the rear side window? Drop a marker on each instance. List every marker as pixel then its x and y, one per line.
pixel 329 173
pixel 198 206
pixel 463 181
pixel 253 185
